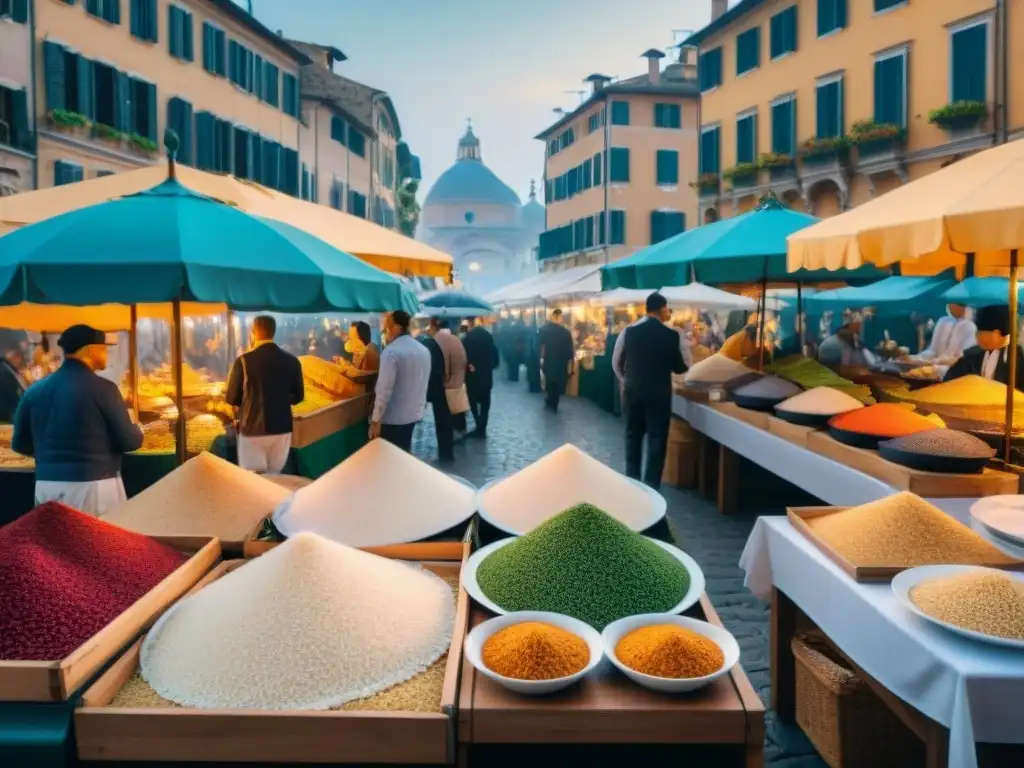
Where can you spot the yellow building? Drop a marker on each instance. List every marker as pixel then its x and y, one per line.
pixel 17 134
pixel 828 103
pixel 113 74
pixel 617 168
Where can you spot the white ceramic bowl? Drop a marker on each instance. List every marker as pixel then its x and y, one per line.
pixel 469 582
pixel 1002 516
pixel 722 638
pixel 478 636
pixel 905 581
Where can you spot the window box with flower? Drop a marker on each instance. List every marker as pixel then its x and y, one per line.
pixel 873 138
pixel 742 175
pixel 67 121
pixel 778 164
pixel 960 115
pixel 826 150
pixel 707 184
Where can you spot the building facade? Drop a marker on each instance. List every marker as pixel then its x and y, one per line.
pixel 113 74
pixel 828 103
pixel 618 168
pixel 473 215
pixel 17 113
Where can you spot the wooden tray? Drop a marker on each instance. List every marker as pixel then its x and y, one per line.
pixel 757 419
pixel 265 736
pixel 608 708
pixel 799 515
pixel 793 433
pixel 47 681
pixel 312 427
pixel 931 485
pixel 445 551
pixel 694 395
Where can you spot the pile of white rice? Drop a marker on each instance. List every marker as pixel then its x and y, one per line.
pixel 378 496
pixel 820 401
pixel 562 479
pixel 308 626
pixel 205 496
pixel 716 369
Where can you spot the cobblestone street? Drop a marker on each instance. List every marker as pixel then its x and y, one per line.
pixel 521 431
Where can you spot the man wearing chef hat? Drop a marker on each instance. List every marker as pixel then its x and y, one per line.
pixel 77 427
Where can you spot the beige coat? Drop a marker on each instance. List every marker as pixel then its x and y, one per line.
pixel 454 358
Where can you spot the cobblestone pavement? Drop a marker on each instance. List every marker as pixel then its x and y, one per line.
pixel 521 431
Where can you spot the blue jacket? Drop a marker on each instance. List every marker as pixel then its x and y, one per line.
pixel 76 426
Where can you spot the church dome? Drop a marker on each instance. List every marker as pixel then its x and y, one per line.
pixel 469 180
pixel 531 215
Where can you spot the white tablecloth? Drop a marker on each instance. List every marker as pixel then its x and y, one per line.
pixel 975 690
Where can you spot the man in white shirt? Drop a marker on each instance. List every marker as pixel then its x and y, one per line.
pixel 401 391
pixel 953 334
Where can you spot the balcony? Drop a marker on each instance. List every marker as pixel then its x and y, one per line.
pixel 826 160
pixel 880 150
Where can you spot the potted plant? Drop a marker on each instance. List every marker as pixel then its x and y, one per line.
pixel 142 144
pixel 706 184
pixel 959 115
pixel 825 150
pixel 777 164
pixel 873 138
pixel 67 121
pixel 742 174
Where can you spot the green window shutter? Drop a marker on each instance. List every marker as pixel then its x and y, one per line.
pixel 831 16
pixel 709 151
pixel 618 164
pixel 748 50
pixel 356 142
pixel 174 31
pixel 890 96
pixel 188 47
pixel 271 82
pixel 92 7
pixel 668 116
pixel 220 49
pixel 86 87
pixel 21 136
pixel 122 104
pixel 783 29
pixel 667 167
pixel 830 110
pixel 620 113
pixel 204 141
pixel 305 182
pixel 19 11
pixel 709 69
pixel 970 64
pixel 208 54
pixel 618 234
pixel 656 236
pixel 234 62
pixel 598 164
pixel 783 130
pixel 53 63
pixel 746 139
pixel 151 119
pixel 882 5
pixel 257 69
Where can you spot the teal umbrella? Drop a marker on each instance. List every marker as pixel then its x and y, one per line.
pixel 172 244
pixel 893 295
pixel 749 248
pixel 980 291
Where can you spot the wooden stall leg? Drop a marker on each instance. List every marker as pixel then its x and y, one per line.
pixel 702 464
pixel 783 667
pixel 728 480
pixel 936 745
pixel 754 756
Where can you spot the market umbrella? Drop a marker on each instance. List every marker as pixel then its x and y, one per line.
pixel 979 292
pixel 451 301
pixel 706 297
pixel 899 295
pixel 384 248
pixel 750 248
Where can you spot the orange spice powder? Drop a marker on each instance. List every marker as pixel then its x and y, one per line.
pixel 884 420
pixel 671 651
pixel 534 650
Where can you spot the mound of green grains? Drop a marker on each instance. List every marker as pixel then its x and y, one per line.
pixel 586 564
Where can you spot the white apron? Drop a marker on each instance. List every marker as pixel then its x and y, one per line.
pixel 96 497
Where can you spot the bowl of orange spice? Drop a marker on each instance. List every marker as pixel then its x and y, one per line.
pixel 668 653
pixel 534 652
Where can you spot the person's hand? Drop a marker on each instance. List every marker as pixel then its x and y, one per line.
pixel 374 430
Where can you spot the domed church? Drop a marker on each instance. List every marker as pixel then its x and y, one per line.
pixel 478 219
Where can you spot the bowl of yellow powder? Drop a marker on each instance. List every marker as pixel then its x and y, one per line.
pixel 669 653
pixel 534 652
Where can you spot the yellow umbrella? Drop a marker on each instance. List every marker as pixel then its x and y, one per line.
pixel 374 244
pixel 52 318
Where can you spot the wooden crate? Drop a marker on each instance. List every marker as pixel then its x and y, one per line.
pixel 266 736
pixel 798 517
pixel 316 426
pixel 608 708
pixel 932 485
pixel 793 433
pixel 757 419
pixel 48 681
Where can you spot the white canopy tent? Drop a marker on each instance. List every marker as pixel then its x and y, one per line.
pixel 693 295
pixel 575 281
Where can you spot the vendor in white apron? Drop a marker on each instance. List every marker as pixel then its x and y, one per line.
pixel 77 427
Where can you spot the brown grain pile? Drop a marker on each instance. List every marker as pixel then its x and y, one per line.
pixel 903 530
pixel 982 601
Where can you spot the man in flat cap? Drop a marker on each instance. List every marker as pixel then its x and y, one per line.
pixel 77 427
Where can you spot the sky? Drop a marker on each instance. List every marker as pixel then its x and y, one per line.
pixel 507 64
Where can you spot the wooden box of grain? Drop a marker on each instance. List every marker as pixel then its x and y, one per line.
pixel 48 681
pixel 104 732
pixel 312 427
pixel 793 433
pixel 931 485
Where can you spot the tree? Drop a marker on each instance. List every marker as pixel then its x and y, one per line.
pixel 408 207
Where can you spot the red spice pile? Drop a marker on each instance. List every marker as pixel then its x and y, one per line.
pixel 65 575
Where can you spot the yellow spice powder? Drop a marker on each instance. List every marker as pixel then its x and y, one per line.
pixel 534 650
pixel 670 651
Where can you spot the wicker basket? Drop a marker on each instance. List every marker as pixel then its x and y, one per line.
pixel 848 725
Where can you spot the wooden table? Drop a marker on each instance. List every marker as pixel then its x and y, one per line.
pixel 613 718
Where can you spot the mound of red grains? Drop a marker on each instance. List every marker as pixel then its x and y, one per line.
pixel 65 575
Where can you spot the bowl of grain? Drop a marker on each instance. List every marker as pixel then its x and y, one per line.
pixel 669 653
pixel 982 604
pixel 534 652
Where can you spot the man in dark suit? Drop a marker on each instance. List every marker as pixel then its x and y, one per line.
pixel 991 358
pixel 557 354
pixel 438 399
pixel 264 384
pixel 482 358
pixel 646 355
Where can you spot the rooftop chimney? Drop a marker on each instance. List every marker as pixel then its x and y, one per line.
pixel 597 82
pixel 654 57
pixel 688 61
pixel 718 7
